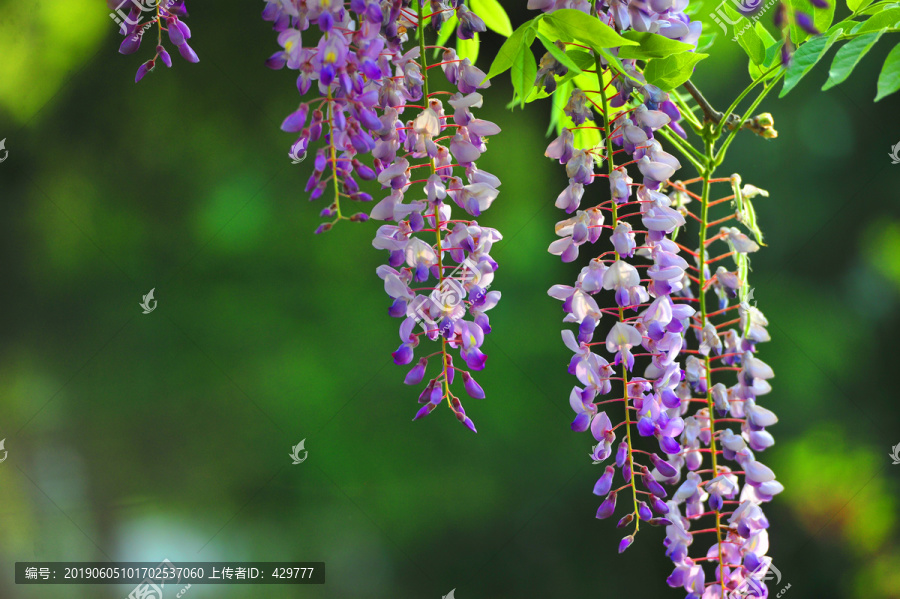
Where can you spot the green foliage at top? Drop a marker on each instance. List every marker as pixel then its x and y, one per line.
pixel 854 36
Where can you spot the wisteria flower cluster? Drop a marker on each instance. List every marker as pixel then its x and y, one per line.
pixel 167 15
pixel 370 69
pixel 661 321
pixel 664 351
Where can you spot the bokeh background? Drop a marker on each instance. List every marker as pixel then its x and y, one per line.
pixel 144 437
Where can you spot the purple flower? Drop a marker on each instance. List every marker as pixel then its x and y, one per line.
pixel 169 14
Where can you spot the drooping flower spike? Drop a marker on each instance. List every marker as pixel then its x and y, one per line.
pixel 634 279
pixel 726 424
pixel 370 69
pixel 439 270
pixel 166 15
pixel 657 301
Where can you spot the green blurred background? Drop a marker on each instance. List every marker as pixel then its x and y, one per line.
pixel 144 437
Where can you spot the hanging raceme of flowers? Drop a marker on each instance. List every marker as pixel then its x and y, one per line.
pixel 661 320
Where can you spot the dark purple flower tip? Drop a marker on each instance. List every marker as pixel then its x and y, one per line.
pixel 276 61
pixel 365 172
pixel 644 512
pixel 625 521
pixel 621 454
pixel 581 423
pixel 415 376
pixel 603 484
pixel 327 74
pixel 650 483
pixel 785 56
pixel 175 34
pixel 664 467
pixel 131 43
pixel 437 394
pixel 164 56
pixel 323 228
pixel 143 70
pixel 608 506
pixel 659 506
pixel 472 387
pixel 185 30
pixel 424 411
pixel 426 392
pixel 751 561
pixel 626 543
pixel 359 217
pixel 326 22
pixel 806 23
pixel 659 522
pixel 404 353
pixel 397 309
pixel 819 3
pixel 374 14
pixel 645 427
pixel 669 445
pixel 779 17
pixel 469 424
pixel 296 121
pixel 188 53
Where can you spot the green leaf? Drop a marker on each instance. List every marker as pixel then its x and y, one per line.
pixel 493 15
pixel 805 58
pixel 824 17
pixel 889 78
pixel 848 57
pixel 524 71
pixel 569 24
pixel 888 18
pixel 745 35
pixel 558 54
pixel 878 7
pixel 652 45
pixel 583 58
pixel 772 47
pixel 670 72
pixel 855 5
pixel 512 49
pixel 468 48
pixel 560 98
pixel 447 30
pixel 707 38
